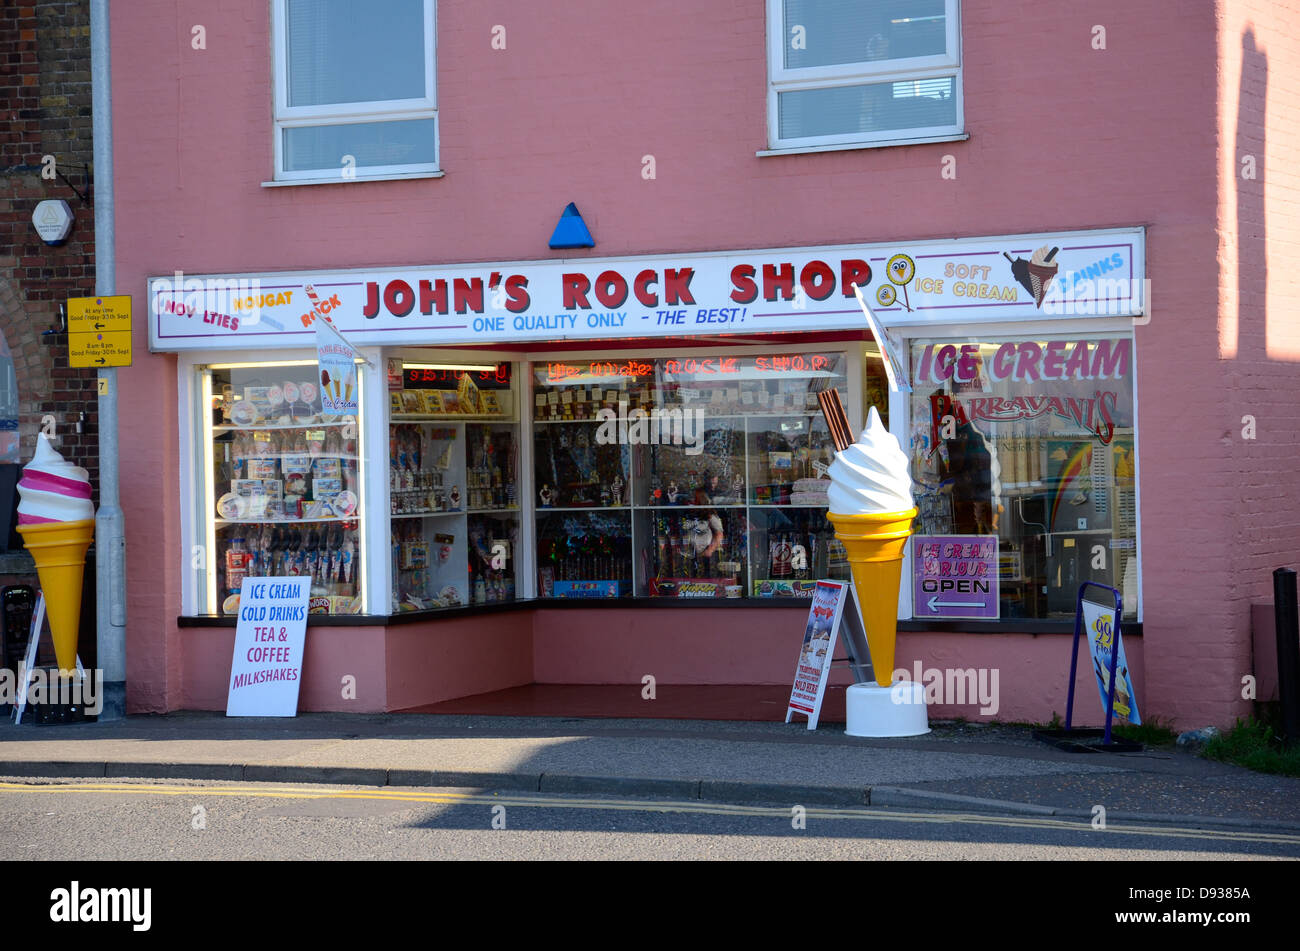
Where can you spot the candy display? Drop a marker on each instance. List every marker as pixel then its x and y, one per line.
pixel 811 492
pixel 452 491
pixel 289 472
pixel 722 461
pixel 465 399
pixel 490 474
pixel 720 397
pixel 287 489
pixel 492 544
pixel 584 554
pixel 694 545
pixel 56 519
pixel 327 553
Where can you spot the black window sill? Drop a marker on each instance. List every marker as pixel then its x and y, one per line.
pixel 367 620
pixel 1008 626
pixel 464 610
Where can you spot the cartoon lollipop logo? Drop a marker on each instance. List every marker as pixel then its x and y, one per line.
pixel 886 295
pixel 901 269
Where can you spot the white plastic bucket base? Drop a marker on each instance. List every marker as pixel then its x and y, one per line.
pixel 873 710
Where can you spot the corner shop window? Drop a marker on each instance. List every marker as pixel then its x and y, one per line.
pixel 693 476
pixel 285 487
pixel 1030 441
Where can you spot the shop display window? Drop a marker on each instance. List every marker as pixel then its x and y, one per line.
pixel 285 488
pixel 584 554
pixel 670 477
pixel 442 391
pixel 1028 442
pixel 453 487
pixel 697 476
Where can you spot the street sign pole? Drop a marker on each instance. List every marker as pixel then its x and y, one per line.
pixel 110 536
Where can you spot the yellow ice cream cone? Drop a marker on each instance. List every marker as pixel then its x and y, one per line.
pixel 875 546
pixel 59 550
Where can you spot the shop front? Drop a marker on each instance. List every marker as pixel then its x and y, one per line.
pixel 589 471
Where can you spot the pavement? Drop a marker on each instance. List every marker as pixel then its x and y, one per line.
pixel 965 767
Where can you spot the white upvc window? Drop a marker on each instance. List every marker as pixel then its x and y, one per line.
pixel 354 94
pixel 845 73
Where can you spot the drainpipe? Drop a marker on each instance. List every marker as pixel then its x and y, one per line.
pixel 110 538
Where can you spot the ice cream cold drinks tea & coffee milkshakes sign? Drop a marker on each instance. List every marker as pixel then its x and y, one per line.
pixel 267 667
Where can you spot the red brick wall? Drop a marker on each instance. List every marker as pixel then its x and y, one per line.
pixel 45 111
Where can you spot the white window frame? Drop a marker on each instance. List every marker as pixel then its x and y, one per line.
pixel 1031 328
pixel 782 79
pixel 199 597
pixel 288 117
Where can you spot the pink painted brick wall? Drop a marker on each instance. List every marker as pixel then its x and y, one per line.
pixel 1259 294
pixel 329 654
pixel 442 660
pixel 1062 136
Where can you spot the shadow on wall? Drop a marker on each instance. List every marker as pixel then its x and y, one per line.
pixel 1251 345
pixel 1252 244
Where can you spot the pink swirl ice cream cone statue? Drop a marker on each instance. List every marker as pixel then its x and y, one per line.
pixel 57 522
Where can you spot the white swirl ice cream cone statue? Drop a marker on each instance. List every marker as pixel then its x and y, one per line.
pixel 872 510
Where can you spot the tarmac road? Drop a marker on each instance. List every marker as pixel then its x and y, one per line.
pixel 72 820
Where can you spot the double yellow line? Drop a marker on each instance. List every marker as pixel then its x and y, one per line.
pixel 442 797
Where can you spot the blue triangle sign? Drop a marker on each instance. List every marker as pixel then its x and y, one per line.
pixel 571 231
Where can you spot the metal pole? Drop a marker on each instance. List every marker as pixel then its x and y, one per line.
pixel 1110 698
pixel 1287 628
pixel 110 539
pixel 1074 658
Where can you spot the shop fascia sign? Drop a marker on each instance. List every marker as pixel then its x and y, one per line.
pixel 1021 277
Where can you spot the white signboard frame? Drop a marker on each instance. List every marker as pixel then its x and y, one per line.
pixel 834 608
pixel 977 280
pixel 266 670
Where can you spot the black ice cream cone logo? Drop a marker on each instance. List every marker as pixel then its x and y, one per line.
pixel 1036 274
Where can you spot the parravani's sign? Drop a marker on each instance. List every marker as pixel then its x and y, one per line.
pixel 1020 277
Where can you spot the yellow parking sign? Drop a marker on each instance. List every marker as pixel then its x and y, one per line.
pixel 93 314
pixel 99 331
pixel 100 349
